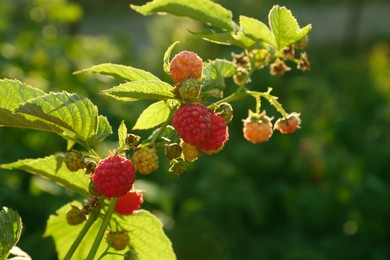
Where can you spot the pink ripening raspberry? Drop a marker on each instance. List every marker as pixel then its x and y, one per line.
pixel 185 65
pixel 257 128
pixel 289 124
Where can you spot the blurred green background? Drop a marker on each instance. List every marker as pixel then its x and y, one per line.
pixel 321 193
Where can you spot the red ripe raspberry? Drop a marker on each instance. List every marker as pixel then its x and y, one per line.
pixel 289 124
pixel 185 65
pixel 114 176
pixel 218 135
pixel 129 202
pixel 257 128
pixel 192 122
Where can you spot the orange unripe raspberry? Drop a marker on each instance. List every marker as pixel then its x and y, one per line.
pixel 145 160
pixel 257 128
pixel 289 124
pixel 185 65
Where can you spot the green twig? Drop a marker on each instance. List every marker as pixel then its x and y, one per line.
pixel 102 229
pixel 93 216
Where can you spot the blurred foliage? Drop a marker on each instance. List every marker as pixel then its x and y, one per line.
pixel 321 193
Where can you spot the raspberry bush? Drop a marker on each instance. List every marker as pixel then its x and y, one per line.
pixel 189 118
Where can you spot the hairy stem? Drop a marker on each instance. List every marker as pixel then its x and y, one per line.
pixel 102 229
pixel 93 216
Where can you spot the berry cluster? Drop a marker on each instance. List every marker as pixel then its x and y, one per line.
pixel 258 127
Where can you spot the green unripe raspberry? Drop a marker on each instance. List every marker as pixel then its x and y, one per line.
pixel 74 160
pixel 90 166
pixel 178 167
pixel 132 140
pixel 75 216
pixel 118 240
pixel 225 111
pixel 92 189
pixel 189 89
pixel 145 160
pixel 173 151
pixel 190 152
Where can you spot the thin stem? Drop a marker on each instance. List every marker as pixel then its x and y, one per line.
pixel 93 216
pixel 102 229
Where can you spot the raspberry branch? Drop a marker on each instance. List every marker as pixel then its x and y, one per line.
pixel 92 218
pixel 103 227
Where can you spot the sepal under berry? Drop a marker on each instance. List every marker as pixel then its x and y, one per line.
pixel 189 89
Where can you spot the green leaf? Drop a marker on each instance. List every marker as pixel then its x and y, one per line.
pixel 256 29
pixel 226 38
pixel 215 72
pixel 201 10
pixel 54 169
pixel 120 71
pixel 64 234
pixel 136 90
pixel 12 94
pixel 68 111
pixel 104 129
pixel 285 27
pixel 147 236
pixel 122 132
pixel 157 113
pixel 167 57
pixel 10 230
pixel 226 68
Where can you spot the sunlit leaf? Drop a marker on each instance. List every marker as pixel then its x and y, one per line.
pixel 12 94
pixel 201 10
pixel 69 111
pixel 122 132
pixel 120 71
pixel 54 169
pixel 226 38
pixel 167 57
pixel 285 27
pixel 136 90
pixel 10 230
pixel 147 236
pixel 104 129
pixel 257 30
pixel 152 116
